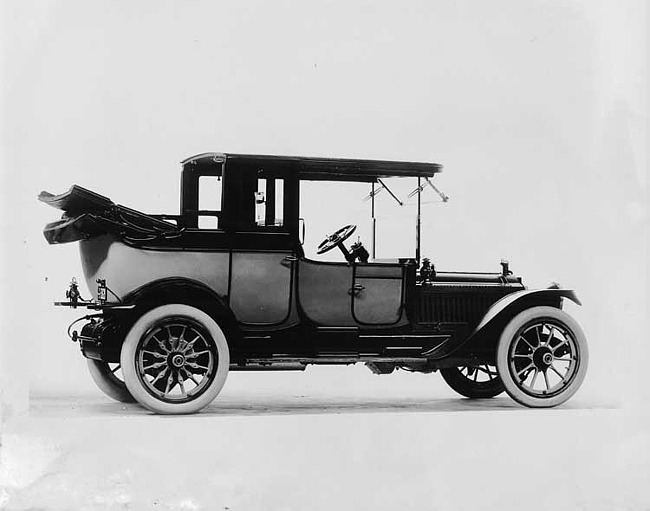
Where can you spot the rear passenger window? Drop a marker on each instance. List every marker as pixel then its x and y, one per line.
pixel 269 202
pixel 209 202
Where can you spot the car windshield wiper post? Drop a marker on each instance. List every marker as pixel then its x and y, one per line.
pixel 418 191
pixel 418 225
pixel 444 197
pixel 390 191
pixel 371 197
pixel 374 221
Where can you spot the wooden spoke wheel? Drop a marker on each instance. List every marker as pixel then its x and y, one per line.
pixel 542 357
pixel 175 359
pixel 475 382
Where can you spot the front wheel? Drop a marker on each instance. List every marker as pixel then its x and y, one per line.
pixel 175 359
pixel 542 357
pixel 477 382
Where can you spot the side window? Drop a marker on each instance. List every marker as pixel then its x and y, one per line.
pixel 209 202
pixel 269 202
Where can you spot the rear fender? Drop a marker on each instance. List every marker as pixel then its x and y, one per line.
pixel 188 292
pixel 498 316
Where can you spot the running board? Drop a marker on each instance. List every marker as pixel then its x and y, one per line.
pixel 268 366
pixel 268 363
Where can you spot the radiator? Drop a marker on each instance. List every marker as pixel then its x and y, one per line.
pixel 455 307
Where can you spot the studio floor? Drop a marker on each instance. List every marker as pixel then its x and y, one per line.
pixel 269 443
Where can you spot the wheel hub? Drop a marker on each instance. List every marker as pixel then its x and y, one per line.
pixel 176 360
pixel 543 358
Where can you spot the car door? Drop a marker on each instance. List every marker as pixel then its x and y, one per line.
pixel 324 292
pixel 261 284
pixel 378 294
pixel 351 295
pixel 263 253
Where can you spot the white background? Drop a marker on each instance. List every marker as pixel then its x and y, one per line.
pixel 537 110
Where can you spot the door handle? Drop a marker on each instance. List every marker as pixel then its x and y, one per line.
pixel 302 238
pixel 356 289
pixel 288 261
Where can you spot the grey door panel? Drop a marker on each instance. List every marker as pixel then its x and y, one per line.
pixel 260 287
pixel 377 301
pixel 324 292
pixel 340 294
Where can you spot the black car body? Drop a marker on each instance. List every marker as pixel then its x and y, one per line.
pixel 161 280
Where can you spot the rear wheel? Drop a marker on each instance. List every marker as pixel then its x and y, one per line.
pixel 175 359
pixel 542 357
pixel 108 377
pixel 474 382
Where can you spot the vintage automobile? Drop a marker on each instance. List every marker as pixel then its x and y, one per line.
pixel 178 301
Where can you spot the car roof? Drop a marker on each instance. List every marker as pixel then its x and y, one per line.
pixel 323 169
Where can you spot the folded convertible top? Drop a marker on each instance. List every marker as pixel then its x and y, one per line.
pixel 77 199
pixel 87 214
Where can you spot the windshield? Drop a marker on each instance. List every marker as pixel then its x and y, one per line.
pixel 327 206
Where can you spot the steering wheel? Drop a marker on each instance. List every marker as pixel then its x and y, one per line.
pixel 335 239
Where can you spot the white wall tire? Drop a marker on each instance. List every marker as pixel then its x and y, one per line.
pixel 175 359
pixel 108 380
pixel 546 342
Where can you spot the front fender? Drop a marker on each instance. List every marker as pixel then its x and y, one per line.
pixel 497 317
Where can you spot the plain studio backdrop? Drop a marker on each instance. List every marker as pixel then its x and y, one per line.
pixel 536 109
